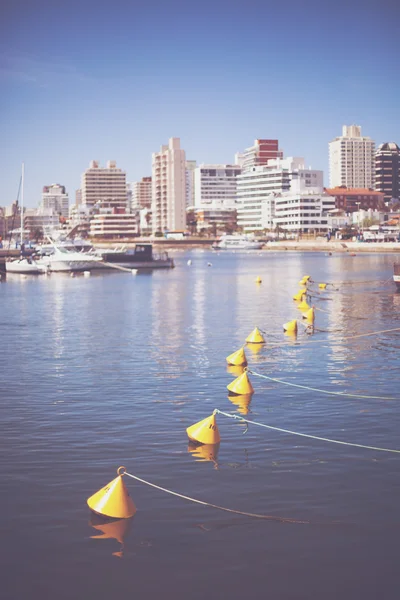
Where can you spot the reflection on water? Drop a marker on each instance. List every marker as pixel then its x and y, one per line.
pixel 205 452
pixel 111 529
pixel 112 369
pixel 235 371
pixel 242 402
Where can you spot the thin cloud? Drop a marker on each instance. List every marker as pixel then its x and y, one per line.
pixel 32 70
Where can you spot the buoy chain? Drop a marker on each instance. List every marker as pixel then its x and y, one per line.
pixel 314 437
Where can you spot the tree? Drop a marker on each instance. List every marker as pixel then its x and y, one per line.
pixel 38 234
pixel 368 222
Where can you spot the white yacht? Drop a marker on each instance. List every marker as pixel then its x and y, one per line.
pixel 64 260
pixel 237 242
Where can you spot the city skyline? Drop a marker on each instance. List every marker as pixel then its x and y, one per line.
pixel 76 89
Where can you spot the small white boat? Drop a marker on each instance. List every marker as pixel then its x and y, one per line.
pixel 26 266
pixel 237 242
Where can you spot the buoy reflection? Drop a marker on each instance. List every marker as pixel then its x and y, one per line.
pixel 116 529
pixel 254 348
pixel 234 370
pixel 242 402
pixel 205 452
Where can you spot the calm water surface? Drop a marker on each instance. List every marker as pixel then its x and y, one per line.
pixel 110 370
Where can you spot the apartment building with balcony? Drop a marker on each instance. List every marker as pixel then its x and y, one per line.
pixel 169 188
pixel 303 209
pixel 215 185
pixel 387 171
pixel 141 193
pixel 257 189
pixel 54 197
pixel 259 154
pixel 352 159
pixel 104 185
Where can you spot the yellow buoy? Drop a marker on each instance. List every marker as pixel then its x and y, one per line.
pixel 241 385
pixel 242 403
pixel 290 326
pixel 258 279
pixel 113 500
pixel 306 277
pixel 303 305
pixel 300 295
pixel 205 431
pixel 237 359
pixel 322 286
pixel 309 315
pixel 255 337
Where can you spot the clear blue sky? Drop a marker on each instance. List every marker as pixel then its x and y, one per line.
pixel 114 80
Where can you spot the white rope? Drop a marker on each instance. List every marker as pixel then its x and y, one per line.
pixel 306 387
pixel 313 437
pixel 230 510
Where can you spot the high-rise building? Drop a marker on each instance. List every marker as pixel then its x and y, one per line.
pixel 168 201
pixel 351 159
pixel 78 197
pixel 141 193
pixel 104 185
pixel 387 171
pixel 55 198
pixel 190 185
pixel 257 189
pixel 215 185
pixel 259 154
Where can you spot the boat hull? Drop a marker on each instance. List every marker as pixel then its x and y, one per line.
pixel 64 266
pixel 24 267
pixel 396 279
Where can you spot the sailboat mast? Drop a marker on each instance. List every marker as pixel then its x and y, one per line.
pixel 22 203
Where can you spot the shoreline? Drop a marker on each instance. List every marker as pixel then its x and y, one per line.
pixel 335 246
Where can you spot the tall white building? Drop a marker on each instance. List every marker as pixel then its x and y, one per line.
pixel 352 159
pixel 104 186
pixel 216 185
pixel 55 198
pixel 169 188
pixel 257 189
pixel 190 186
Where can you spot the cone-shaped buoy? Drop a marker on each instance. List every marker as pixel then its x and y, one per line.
pixel 113 500
pixel 300 295
pixel 322 286
pixel 309 315
pixel 241 385
pixel 258 279
pixel 290 326
pixel 242 403
pixel 255 337
pixel 303 305
pixel 205 431
pixel 306 277
pixel 204 452
pixel 237 359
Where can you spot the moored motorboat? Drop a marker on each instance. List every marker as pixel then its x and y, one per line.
pixel 396 275
pixel 25 266
pixel 237 242
pixel 63 260
pixel 140 257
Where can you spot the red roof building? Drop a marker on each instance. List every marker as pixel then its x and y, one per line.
pixel 354 199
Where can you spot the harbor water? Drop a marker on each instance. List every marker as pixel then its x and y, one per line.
pixel 110 370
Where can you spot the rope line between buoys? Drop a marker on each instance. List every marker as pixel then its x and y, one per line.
pixel 306 387
pixel 313 437
pixel 230 510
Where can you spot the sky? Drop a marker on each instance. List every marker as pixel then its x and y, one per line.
pixel 92 80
